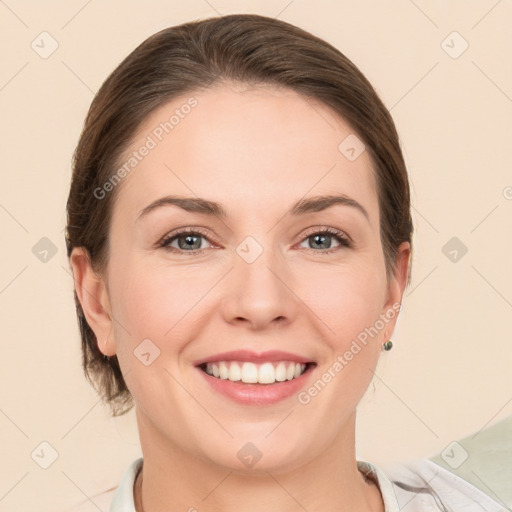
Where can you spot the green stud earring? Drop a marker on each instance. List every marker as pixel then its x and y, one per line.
pixel 388 345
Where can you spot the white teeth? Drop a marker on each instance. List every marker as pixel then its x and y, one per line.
pixel 281 372
pixel 234 372
pixel 250 373
pixel 266 374
pixel 223 370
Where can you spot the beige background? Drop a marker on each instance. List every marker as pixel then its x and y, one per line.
pixel 449 372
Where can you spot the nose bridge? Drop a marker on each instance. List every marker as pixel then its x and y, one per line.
pixel 257 264
pixel 258 290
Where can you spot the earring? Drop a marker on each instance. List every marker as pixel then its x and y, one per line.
pixel 388 345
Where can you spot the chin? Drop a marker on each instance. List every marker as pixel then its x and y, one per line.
pixel 261 456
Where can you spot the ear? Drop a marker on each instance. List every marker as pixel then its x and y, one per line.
pixel 92 293
pixel 396 286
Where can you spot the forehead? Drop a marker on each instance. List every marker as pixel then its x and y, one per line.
pixel 244 146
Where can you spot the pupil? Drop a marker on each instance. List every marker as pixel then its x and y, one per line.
pixel 189 241
pixel 317 239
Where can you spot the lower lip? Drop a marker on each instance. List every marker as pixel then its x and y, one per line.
pixel 257 394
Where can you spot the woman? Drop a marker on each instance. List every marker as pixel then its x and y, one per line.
pixel 239 232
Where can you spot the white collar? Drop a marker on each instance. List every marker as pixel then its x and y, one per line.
pixel 420 486
pixel 123 498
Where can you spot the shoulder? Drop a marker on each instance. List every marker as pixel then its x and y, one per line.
pixel 473 473
pixel 423 485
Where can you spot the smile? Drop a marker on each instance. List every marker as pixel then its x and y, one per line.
pixel 252 373
pixel 255 378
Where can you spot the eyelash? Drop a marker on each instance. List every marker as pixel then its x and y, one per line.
pixel 343 239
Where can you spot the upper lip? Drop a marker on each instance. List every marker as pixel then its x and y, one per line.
pixel 254 357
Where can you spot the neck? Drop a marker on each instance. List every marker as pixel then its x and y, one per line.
pixel 172 480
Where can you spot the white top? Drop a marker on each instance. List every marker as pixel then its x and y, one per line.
pixel 421 486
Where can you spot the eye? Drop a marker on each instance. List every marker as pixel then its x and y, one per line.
pixel 188 240
pixel 322 239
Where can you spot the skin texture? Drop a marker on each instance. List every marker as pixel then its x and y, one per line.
pixel 255 150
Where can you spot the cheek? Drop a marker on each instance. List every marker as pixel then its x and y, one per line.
pixel 151 309
pixel 153 299
pixel 347 306
pixel 347 300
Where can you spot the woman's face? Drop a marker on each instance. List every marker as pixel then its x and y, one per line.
pixel 260 278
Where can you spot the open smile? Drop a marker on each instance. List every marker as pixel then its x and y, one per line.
pixel 256 379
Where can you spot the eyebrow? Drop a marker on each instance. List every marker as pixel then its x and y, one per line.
pixel 206 207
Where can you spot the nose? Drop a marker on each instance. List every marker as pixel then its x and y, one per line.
pixel 259 294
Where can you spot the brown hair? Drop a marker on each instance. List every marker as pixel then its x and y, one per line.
pixel 243 48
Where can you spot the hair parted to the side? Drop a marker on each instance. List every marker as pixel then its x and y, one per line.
pixel 244 48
